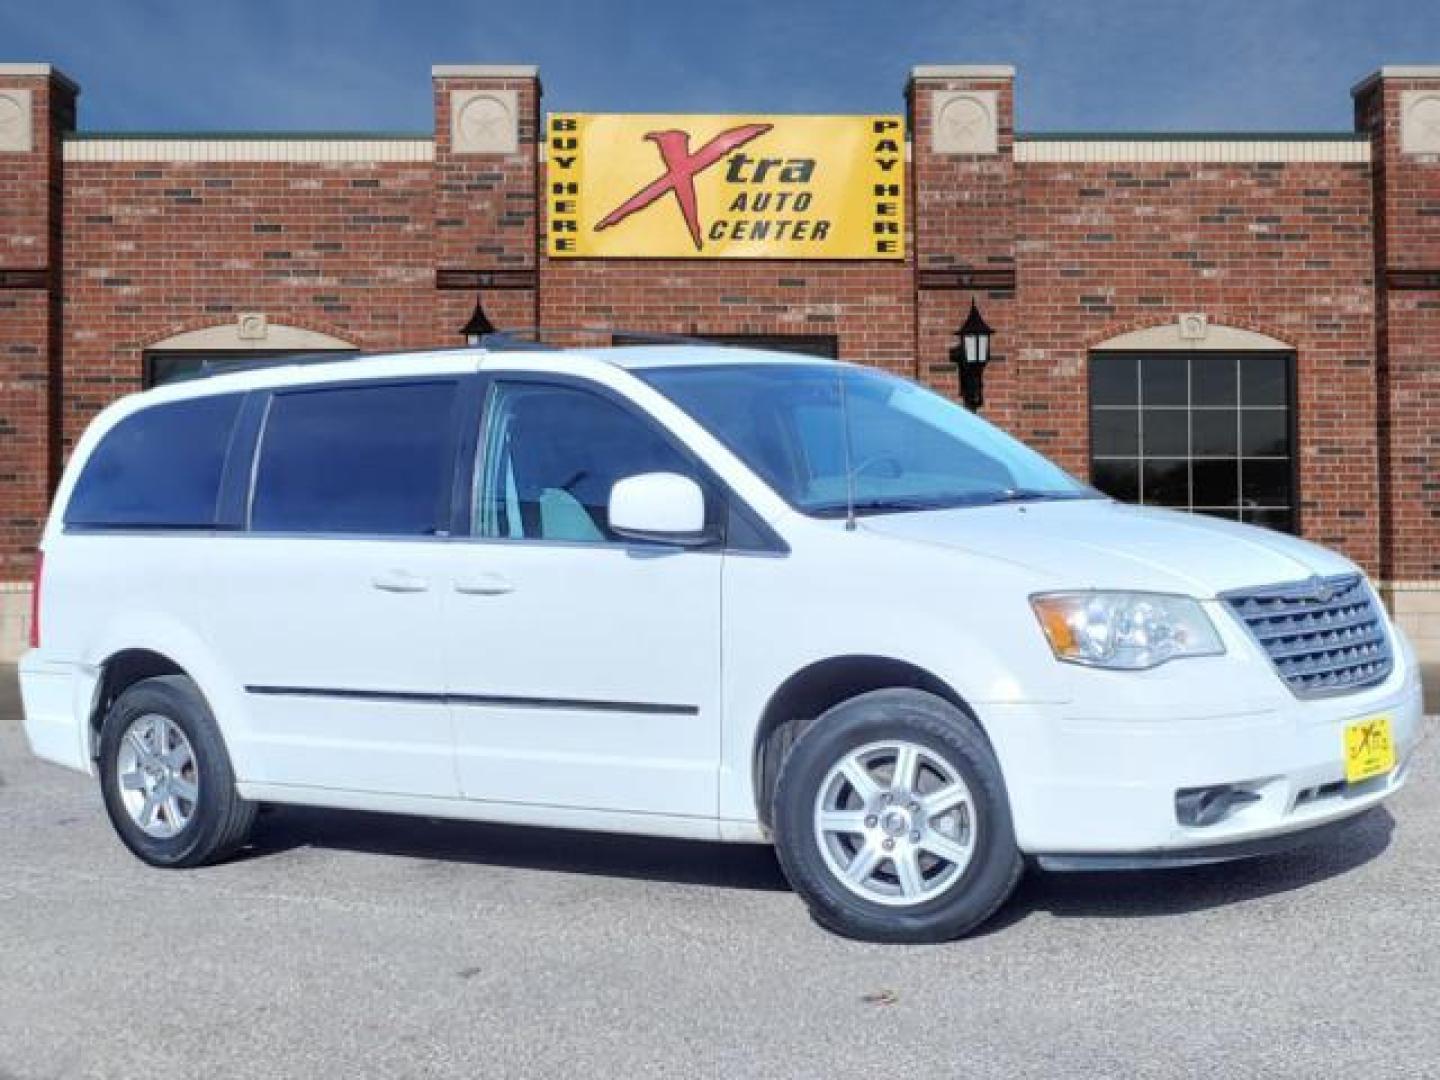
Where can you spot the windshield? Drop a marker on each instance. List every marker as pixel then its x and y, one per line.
pixel 909 448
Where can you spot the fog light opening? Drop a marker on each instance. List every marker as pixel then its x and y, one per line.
pixel 1204 806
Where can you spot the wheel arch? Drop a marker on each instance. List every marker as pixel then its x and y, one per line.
pixel 821 685
pixel 146 644
pixel 119 672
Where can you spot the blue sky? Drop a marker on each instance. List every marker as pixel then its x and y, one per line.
pixel 364 64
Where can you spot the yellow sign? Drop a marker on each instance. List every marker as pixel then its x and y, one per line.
pixel 1369 749
pixel 727 187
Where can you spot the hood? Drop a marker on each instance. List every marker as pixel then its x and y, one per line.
pixel 1097 543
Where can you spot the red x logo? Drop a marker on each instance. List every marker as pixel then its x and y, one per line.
pixel 681 168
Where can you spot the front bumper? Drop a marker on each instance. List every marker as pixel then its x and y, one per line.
pixel 1098 776
pixel 1174 858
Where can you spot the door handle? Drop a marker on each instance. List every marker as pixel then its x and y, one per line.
pixel 484 585
pixel 401 581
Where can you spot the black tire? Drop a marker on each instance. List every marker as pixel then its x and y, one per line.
pixel 221 820
pixel 940 728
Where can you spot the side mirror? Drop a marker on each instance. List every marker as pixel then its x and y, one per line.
pixel 664 508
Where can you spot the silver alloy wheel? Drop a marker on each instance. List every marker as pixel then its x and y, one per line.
pixel 158 774
pixel 895 823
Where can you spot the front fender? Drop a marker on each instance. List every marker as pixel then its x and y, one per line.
pixel 973 631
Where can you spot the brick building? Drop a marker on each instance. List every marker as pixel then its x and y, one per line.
pixel 1237 324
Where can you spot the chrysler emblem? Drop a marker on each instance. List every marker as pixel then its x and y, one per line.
pixel 1318 590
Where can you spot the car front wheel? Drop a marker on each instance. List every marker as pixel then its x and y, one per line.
pixel 892 822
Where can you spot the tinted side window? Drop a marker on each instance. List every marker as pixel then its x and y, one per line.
pixel 367 459
pixel 158 468
pixel 551 456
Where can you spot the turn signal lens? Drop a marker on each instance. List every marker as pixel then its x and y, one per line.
pixel 1126 631
pixel 1056 621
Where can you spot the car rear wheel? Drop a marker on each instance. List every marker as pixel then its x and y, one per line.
pixel 166 778
pixel 892 822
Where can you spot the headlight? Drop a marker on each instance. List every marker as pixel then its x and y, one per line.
pixel 1128 631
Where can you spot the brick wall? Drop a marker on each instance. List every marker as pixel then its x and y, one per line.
pixel 1407 255
pixel 866 306
pixel 964 207
pixel 158 248
pixel 1095 249
pixel 486 208
pixel 1407 258
pixel 30 261
pixel 1282 249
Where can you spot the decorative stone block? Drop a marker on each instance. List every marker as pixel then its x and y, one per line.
pixel 965 122
pixel 252 326
pixel 16 129
pixel 484 122
pixel 1194 326
pixel 14 620
pixel 1420 122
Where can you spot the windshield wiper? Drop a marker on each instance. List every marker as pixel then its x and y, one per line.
pixel 874 506
pixel 896 505
pixel 1010 495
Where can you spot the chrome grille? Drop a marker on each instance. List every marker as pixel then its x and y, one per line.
pixel 1324 636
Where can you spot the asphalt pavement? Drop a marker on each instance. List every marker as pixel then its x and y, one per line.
pixel 354 945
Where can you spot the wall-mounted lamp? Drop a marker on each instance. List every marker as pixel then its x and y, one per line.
pixel 970 354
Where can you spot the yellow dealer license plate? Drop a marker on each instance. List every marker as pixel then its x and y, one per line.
pixel 1369 750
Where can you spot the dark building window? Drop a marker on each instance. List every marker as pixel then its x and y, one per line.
pixel 157 468
pixel 376 460
pixel 825 345
pixel 161 367
pixel 1208 432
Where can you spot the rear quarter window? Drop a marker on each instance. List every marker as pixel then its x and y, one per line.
pixel 157 468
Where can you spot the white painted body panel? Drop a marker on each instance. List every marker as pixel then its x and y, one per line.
pixel 1091 758
pixel 305 612
pixel 605 626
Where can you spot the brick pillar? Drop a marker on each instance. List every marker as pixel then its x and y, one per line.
pixel 37 105
pixel 486 205
pixel 1400 108
pixel 963 206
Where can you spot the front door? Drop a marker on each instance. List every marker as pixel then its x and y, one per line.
pixel 584 670
pixel 328 609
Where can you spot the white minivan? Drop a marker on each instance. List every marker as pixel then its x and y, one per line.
pixel 690 591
